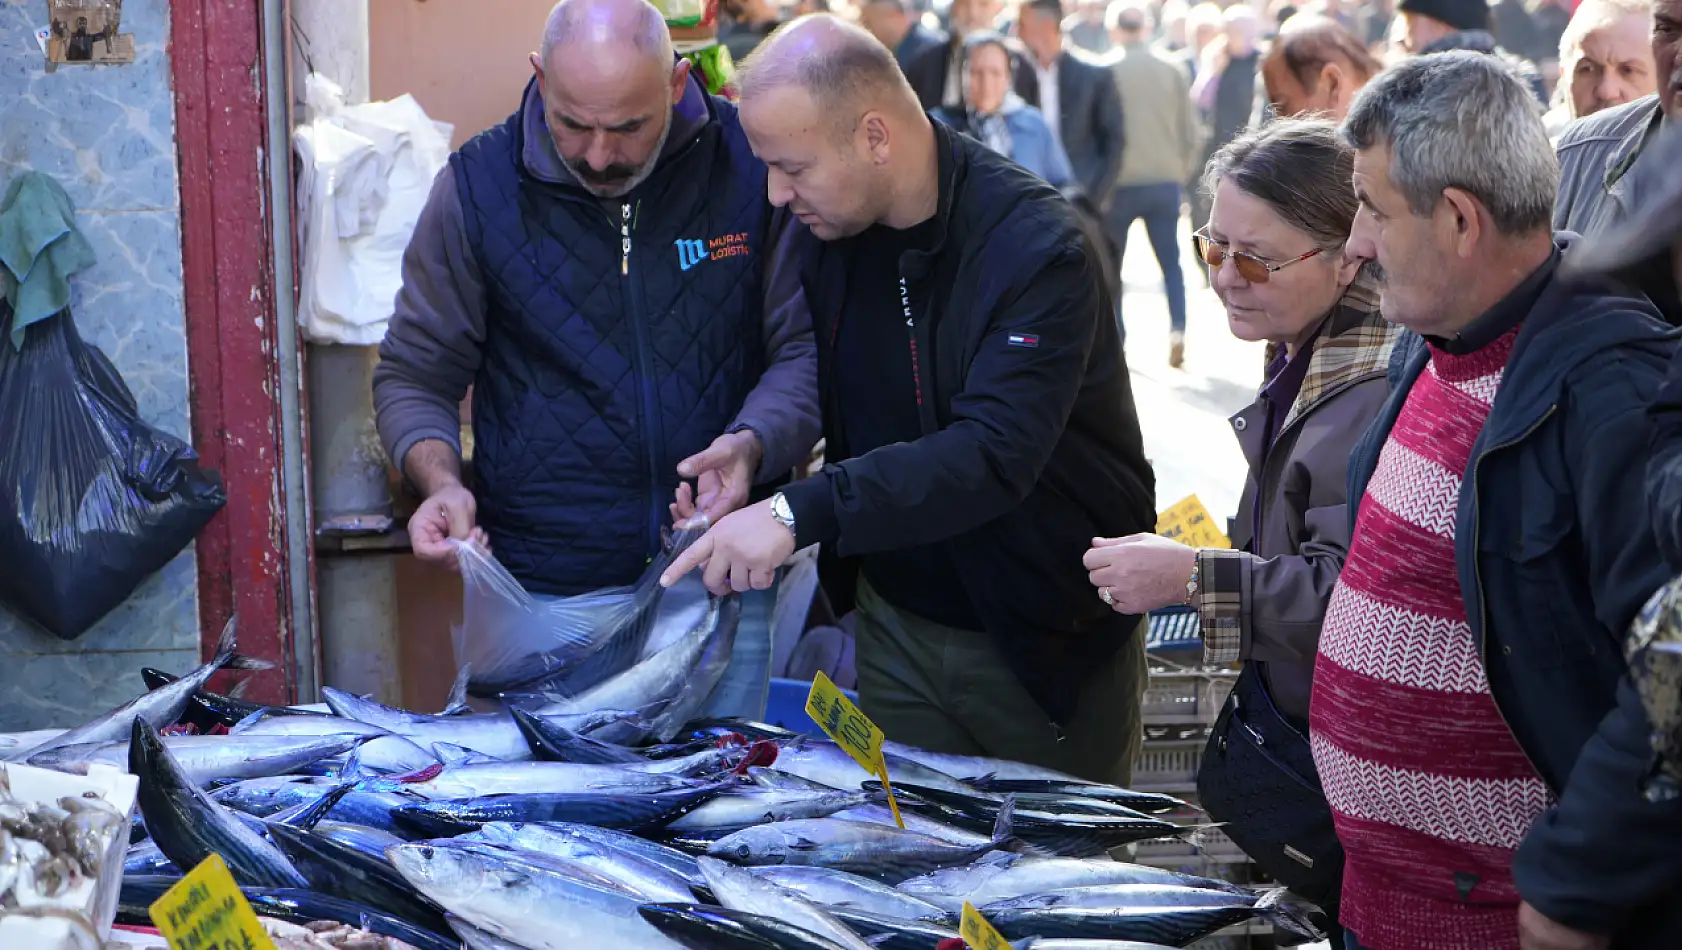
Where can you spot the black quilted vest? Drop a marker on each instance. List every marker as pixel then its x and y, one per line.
pixel 602 370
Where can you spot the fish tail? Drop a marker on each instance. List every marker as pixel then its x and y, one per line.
pixel 225 644
pixel 1290 916
pixel 456 702
pixel 239 661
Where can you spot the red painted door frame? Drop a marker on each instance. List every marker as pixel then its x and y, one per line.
pixel 216 56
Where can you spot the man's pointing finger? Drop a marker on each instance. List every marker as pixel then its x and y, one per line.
pixel 691 558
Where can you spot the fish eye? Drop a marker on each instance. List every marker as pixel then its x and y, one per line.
pixel 744 852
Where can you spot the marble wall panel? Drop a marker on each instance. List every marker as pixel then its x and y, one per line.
pixel 107 133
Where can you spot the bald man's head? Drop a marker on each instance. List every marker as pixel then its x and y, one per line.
pixel 841 66
pixel 607 74
pixel 827 109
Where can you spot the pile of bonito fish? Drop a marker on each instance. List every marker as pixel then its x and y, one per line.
pixel 544 827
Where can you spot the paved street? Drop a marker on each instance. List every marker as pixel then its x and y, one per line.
pixel 1184 412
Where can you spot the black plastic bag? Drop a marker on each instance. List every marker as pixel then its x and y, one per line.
pixel 92 500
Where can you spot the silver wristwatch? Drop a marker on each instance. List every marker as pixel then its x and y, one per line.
pixel 784 514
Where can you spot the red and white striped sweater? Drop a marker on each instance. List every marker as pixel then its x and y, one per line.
pixel 1430 791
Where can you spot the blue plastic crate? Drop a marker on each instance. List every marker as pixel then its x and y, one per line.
pixel 787 707
pixel 1173 628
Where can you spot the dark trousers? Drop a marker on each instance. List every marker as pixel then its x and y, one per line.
pixel 1159 205
pixel 952 691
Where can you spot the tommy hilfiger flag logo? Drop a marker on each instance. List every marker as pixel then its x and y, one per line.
pixel 690 253
pixel 1025 340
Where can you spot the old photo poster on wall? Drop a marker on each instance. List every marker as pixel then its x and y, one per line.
pixel 87 32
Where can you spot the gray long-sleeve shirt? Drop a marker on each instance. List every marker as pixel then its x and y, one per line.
pixel 431 352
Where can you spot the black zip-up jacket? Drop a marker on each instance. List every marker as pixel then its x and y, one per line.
pixel 1556 553
pixel 1031 444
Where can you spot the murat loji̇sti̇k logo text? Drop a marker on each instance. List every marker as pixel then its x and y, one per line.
pixel 693 251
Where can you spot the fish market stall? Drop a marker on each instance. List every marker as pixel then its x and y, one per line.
pixel 586 805
pixel 528 832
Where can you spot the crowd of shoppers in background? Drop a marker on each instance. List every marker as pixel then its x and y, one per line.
pixel 1187 79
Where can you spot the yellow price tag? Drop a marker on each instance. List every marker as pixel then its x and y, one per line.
pixel 206 911
pixel 852 730
pixel 978 933
pixel 1189 523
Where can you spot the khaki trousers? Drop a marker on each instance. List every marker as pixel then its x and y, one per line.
pixel 952 691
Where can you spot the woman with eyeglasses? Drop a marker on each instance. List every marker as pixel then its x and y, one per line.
pixel 1282 210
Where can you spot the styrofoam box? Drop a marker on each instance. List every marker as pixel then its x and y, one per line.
pixel 96 899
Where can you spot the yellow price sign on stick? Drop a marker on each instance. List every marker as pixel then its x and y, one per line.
pixel 852 730
pixel 978 933
pixel 206 911
pixel 1189 523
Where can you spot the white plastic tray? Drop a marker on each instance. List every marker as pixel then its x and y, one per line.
pixel 95 898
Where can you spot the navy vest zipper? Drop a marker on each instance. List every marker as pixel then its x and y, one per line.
pixel 647 399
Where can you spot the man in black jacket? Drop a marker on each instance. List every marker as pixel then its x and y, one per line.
pixel 1078 97
pixel 1641 252
pixel 978 416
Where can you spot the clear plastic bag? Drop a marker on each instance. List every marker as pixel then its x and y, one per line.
pixel 92 499
pixel 520 646
pixel 680 667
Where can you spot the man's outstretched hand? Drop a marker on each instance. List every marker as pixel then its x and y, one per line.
pixel 740 553
pixel 723 474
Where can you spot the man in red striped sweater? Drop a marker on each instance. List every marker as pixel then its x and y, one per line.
pixel 1472 719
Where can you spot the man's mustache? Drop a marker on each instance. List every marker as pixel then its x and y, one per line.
pixel 606 176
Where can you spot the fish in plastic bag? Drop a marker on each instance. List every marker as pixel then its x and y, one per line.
pixel 525 647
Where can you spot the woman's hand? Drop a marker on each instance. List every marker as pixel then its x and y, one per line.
pixel 1142 572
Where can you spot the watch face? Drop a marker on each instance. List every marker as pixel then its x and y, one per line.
pixel 779 507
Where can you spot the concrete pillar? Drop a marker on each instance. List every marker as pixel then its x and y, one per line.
pixel 356 591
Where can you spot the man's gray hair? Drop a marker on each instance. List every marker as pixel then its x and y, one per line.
pixel 1461 120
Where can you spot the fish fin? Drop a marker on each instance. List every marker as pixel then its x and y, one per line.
pixel 981 781
pixel 451 754
pixel 249 721
pixel 155 678
pixel 240 661
pixel 1016 846
pixel 310 814
pixel 804 844
pixel 353 770
pixel 1004 826
pixel 882 939
pixel 239 690
pixel 1000 858
pixel 456 703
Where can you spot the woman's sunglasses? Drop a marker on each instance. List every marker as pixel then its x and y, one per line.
pixel 1250 267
